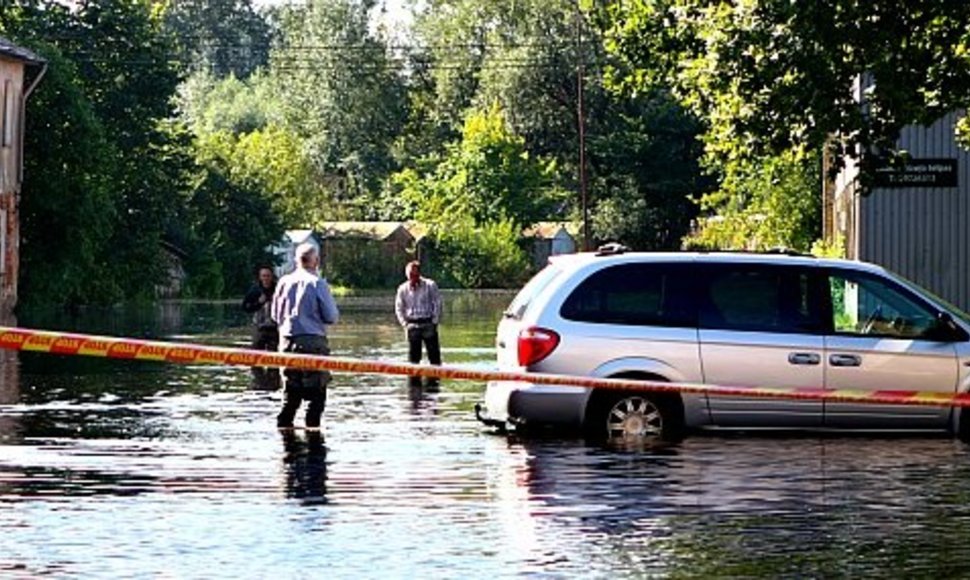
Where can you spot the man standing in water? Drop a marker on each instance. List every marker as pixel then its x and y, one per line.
pixel 266 336
pixel 257 302
pixel 418 309
pixel 302 308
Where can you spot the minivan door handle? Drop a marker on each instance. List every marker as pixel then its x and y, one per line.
pixel 845 360
pixel 804 358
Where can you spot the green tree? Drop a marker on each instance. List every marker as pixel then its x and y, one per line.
pixel 487 176
pixel 478 255
pixel 342 95
pixel 646 172
pixel 767 203
pixel 236 225
pixel 67 212
pixel 240 124
pixel 223 37
pixel 271 161
pixel 209 104
pixel 120 179
pixel 641 150
pixel 770 76
pixel 124 68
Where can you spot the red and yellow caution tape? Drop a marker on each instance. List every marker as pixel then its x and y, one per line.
pixel 188 353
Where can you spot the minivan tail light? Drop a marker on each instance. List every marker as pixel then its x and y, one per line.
pixel 536 344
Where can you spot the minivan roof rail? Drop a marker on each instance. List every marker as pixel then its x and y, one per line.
pixel 779 250
pixel 611 249
pixel 787 252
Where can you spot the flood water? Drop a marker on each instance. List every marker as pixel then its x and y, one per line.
pixel 132 469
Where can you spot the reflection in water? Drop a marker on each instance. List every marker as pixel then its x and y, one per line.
pixel 305 465
pixel 122 469
pixel 9 383
pixel 423 396
pixel 265 378
pixel 741 507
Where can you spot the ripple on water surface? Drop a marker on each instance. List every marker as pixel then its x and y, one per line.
pixel 115 469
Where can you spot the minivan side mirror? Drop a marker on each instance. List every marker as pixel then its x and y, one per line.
pixel 944 329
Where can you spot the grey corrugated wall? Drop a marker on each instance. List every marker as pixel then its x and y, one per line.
pixel 923 233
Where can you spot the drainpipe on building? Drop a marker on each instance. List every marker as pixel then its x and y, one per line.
pixel 23 125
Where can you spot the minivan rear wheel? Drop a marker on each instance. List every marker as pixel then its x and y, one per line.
pixel 631 417
pixel 634 417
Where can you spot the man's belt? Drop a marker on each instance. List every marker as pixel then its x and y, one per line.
pixel 426 320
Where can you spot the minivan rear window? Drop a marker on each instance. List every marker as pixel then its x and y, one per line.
pixel 536 285
pixel 633 294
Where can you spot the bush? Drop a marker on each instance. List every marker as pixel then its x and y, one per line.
pixel 363 264
pixel 478 256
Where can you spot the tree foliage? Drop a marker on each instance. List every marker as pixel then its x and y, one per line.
pixel 478 255
pixel 106 167
pixel 222 37
pixel 770 203
pixel 487 176
pixel 67 210
pixel 342 95
pixel 475 132
pixel 641 150
pixel 770 76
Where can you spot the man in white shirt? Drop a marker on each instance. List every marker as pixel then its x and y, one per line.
pixel 418 309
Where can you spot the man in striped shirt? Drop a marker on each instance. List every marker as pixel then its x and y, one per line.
pixel 418 309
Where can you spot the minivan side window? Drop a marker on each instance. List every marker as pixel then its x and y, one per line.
pixel 633 294
pixel 533 287
pixel 759 298
pixel 865 305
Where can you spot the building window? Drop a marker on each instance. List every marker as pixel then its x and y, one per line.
pixel 3 241
pixel 3 114
pixel 8 113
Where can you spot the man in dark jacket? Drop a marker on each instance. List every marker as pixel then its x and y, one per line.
pixel 266 336
pixel 258 300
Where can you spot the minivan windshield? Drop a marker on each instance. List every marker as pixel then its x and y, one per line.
pixel 536 285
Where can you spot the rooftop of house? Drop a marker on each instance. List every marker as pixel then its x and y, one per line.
pixel 369 230
pixel 12 51
pixel 298 236
pixel 548 230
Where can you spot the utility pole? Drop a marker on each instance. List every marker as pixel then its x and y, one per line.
pixel 581 124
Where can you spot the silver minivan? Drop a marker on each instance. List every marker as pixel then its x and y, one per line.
pixel 737 319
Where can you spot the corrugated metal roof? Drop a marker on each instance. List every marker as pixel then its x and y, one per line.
pixel 298 236
pixel 549 230
pixel 11 50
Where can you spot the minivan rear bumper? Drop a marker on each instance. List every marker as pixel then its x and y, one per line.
pixel 520 402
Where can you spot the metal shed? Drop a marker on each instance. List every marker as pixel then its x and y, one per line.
pixel 915 220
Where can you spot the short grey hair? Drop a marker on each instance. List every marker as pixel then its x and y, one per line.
pixel 305 253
